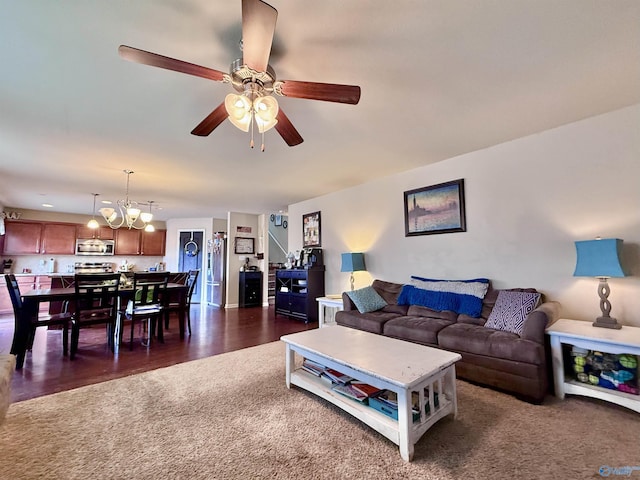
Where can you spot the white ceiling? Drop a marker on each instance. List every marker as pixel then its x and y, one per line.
pixel 439 78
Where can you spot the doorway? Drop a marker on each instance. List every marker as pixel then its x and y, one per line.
pixel 190 256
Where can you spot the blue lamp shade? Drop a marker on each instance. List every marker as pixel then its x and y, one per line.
pixel 599 258
pixel 352 262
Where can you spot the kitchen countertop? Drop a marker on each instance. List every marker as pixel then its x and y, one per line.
pixel 64 274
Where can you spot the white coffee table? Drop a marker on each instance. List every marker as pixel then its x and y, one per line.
pixel 385 363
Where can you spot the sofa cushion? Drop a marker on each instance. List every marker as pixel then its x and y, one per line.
pixel 387 290
pixel 511 310
pixel 465 337
pixel 416 329
pixel 399 309
pixel 369 322
pixel 455 302
pixel 418 311
pixel 367 299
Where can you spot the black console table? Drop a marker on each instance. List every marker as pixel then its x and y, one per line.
pixel 296 292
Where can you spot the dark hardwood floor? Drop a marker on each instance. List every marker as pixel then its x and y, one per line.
pixel 214 331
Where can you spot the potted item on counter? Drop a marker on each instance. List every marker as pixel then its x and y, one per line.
pixel 7 265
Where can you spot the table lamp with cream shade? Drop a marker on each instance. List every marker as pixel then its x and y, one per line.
pixel 352 262
pixel 600 258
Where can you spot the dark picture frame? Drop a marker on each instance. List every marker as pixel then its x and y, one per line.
pixel 244 245
pixel 311 234
pixel 435 209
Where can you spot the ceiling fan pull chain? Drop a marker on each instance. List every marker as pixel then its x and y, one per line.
pixel 251 128
pixel 262 147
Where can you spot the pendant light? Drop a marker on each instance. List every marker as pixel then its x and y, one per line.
pixel 93 223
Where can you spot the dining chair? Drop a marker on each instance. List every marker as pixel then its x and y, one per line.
pixel 147 304
pixel 61 319
pixel 183 305
pixel 96 302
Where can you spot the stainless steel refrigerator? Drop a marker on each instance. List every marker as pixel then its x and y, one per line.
pixel 217 269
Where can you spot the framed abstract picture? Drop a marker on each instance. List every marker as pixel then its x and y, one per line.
pixel 435 209
pixel 311 230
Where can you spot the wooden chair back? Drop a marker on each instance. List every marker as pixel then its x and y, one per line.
pixel 97 296
pixel 192 278
pixel 149 288
pixel 14 293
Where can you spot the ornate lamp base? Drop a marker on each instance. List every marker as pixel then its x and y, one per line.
pixel 607 322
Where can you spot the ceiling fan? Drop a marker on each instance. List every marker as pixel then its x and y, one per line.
pixel 253 79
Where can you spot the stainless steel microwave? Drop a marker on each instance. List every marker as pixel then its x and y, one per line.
pixel 95 247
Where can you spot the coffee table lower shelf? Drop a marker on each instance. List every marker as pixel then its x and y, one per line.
pixel 381 423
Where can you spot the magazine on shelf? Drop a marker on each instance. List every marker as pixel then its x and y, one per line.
pixel 337 376
pixel 349 391
pixel 313 367
pixel 365 388
pixel 390 399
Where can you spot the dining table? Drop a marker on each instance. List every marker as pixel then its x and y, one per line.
pixel 32 299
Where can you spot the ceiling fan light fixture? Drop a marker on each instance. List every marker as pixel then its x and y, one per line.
pixel 266 110
pixel 239 109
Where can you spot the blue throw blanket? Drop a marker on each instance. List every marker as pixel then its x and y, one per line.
pixel 441 301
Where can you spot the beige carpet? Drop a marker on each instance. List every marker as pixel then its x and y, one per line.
pixel 231 416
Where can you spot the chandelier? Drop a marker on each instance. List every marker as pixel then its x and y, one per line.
pixel 130 214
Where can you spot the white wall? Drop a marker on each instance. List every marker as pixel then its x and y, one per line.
pixel 527 201
pixel 235 260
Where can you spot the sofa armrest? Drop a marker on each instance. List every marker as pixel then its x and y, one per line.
pixel 347 303
pixel 539 319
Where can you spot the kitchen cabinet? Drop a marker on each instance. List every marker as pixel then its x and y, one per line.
pixel 127 242
pixel 296 292
pixel 139 242
pixel 103 233
pixel 153 243
pixel 26 283
pixel 22 238
pixel 58 238
pixel 33 238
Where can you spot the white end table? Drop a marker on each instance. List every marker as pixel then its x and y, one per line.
pixel 584 335
pixel 327 308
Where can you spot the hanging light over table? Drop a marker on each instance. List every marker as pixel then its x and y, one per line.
pixel 129 212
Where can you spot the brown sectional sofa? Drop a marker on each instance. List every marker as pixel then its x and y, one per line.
pixel 507 361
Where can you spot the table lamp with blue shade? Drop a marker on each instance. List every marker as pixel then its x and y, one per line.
pixel 352 262
pixel 600 258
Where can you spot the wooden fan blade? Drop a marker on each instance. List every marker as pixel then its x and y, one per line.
pixel 286 130
pixel 258 27
pixel 209 124
pixel 153 59
pixel 328 92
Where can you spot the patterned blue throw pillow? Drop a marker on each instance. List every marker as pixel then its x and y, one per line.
pixel 367 299
pixel 511 310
